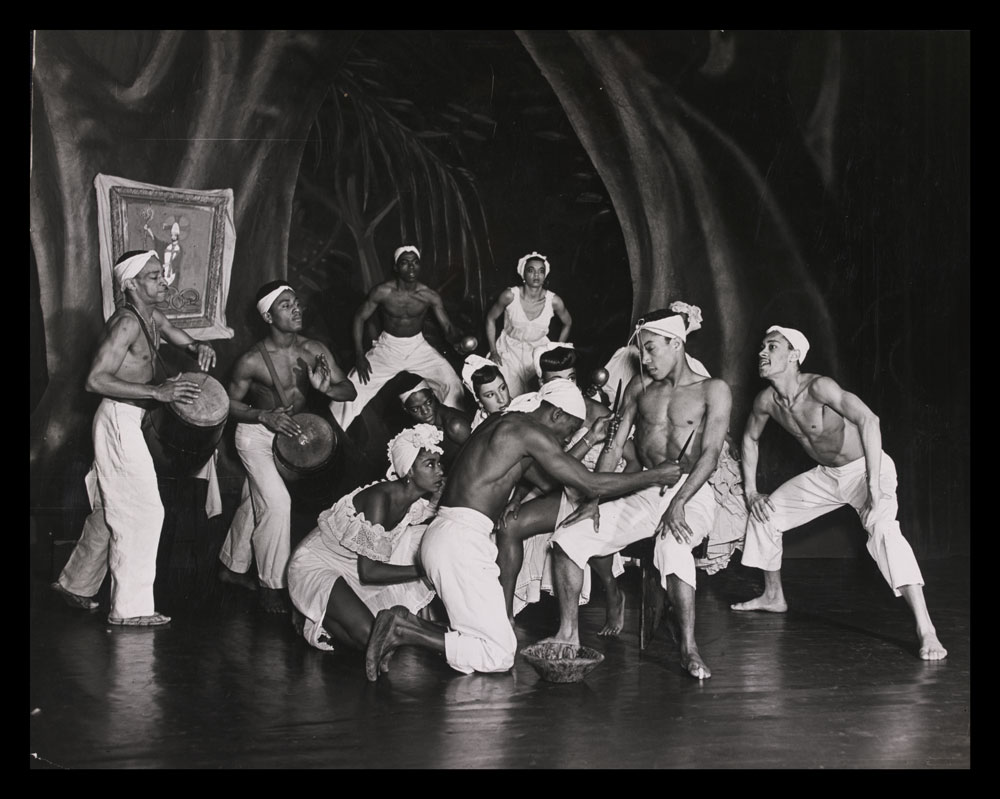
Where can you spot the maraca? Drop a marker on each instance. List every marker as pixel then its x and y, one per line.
pixel 469 344
pixel 600 377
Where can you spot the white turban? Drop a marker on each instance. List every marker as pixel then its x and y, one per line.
pixel 264 303
pixel 524 403
pixel 423 385
pixel 564 394
pixel 401 250
pixel 795 338
pixel 473 363
pixel 404 448
pixel 670 326
pixel 175 229
pixel 538 352
pixel 675 327
pixel 528 257
pixel 131 267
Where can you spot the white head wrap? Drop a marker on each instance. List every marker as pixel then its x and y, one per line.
pixel 795 338
pixel 474 363
pixel 524 403
pixel 175 229
pixel 675 327
pixel 404 448
pixel 538 352
pixel 564 394
pixel 528 257
pixel 423 385
pixel 131 267
pixel 264 303
pixel 401 250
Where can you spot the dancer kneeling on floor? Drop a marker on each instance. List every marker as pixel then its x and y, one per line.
pixel 457 551
pixel 362 556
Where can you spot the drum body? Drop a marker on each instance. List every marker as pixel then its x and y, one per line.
pixel 307 462
pixel 182 437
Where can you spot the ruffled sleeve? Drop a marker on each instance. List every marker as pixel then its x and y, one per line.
pixel 346 525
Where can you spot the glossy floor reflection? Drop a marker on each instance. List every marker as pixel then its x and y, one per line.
pixel 835 683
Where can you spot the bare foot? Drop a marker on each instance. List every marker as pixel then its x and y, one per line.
pixel 382 641
pixel 931 648
pixel 559 650
pixel 763 602
pixel 694 665
pixel 272 600
pixel 243 580
pixel 614 620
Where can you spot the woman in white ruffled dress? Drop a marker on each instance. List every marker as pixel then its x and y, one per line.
pixel 362 557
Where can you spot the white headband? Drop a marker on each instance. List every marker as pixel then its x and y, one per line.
pixel 528 257
pixel 404 448
pixel 264 303
pixel 401 250
pixel 421 386
pixel 524 403
pixel 795 338
pixel 474 363
pixel 566 395
pixel 538 352
pixel 671 327
pixel 131 267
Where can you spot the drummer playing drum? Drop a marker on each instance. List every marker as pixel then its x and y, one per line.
pixel 123 530
pixel 270 384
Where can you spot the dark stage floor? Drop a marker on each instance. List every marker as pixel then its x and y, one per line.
pixel 834 683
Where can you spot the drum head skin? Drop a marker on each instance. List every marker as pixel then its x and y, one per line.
pixel 311 449
pixel 210 408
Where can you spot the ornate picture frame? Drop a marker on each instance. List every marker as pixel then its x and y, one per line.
pixel 193 233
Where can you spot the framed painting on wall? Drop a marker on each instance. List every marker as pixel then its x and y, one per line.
pixel 192 232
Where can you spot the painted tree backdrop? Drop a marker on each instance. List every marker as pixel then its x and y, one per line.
pixel 814 179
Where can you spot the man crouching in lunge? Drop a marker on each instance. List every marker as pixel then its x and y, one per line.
pixel 842 435
pixel 458 554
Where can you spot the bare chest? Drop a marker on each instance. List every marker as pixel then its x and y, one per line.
pixel 405 305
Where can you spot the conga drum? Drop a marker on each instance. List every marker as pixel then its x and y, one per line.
pixel 183 436
pixel 306 461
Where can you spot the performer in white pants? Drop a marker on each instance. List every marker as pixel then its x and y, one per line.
pixel 842 434
pixel 268 387
pixel 122 531
pixel 680 415
pixel 404 302
pixel 457 553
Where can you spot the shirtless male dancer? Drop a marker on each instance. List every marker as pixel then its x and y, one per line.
pixel 842 435
pixel 262 526
pixel 457 551
pixel 123 530
pixel 404 302
pixel 680 415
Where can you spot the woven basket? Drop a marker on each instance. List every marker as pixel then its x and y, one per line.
pixel 543 660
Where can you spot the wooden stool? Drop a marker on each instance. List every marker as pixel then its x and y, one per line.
pixel 652 595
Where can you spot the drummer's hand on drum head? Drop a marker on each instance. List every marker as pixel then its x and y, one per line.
pixel 173 389
pixel 279 420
